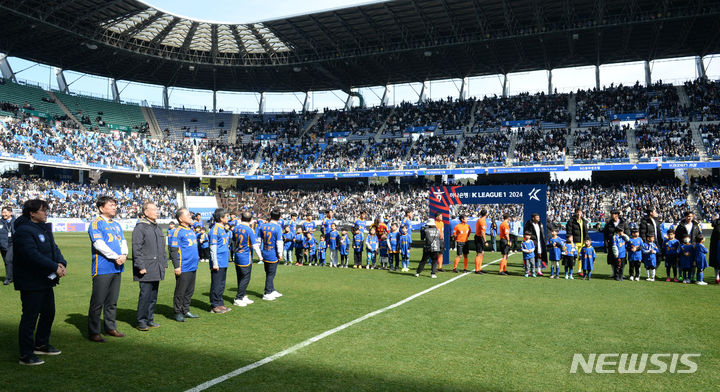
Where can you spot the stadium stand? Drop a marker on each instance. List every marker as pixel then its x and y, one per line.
pixel 104 114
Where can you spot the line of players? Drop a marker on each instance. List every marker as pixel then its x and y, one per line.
pixel 689 257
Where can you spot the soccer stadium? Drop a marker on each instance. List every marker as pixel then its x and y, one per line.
pixel 455 195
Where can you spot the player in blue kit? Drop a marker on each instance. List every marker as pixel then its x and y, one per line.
pixel 311 249
pixel 528 251
pixel 650 251
pixel 371 244
pixel 344 248
pixel 700 259
pixel 635 254
pixel 185 258
pixel 587 257
pixel 271 248
pixel 672 247
pixel 685 259
pixel 244 242
pixel 288 242
pixel 405 246
pixel 321 251
pixel 554 246
pixel 219 260
pixel 357 244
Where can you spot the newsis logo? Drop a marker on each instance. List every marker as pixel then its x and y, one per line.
pixel 634 363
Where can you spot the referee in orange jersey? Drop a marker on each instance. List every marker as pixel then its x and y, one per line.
pixel 504 243
pixel 460 235
pixel 480 243
pixel 441 227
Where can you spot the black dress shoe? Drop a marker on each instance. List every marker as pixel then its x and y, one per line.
pixel 190 315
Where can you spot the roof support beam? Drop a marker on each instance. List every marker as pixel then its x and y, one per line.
pixel 307 102
pixel 700 67
pixel 597 77
pixel 464 86
pixel 165 98
pixel 386 95
pixel 648 74
pixel 62 83
pixel 115 91
pixel 261 105
pixel 424 91
pixel 550 84
pixel 5 70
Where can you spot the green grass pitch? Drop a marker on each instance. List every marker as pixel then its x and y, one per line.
pixel 477 333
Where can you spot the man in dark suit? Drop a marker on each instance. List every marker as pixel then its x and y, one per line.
pixel 7 229
pixel 537 235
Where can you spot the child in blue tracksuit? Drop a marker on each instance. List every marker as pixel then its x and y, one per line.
pixel 371 244
pixel 405 245
pixel 587 256
pixel 344 247
pixel 288 242
pixel 685 260
pixel 393 241
pixel 311 247
pixel 635 254
pixel 299 247
pixel 650 251
pixel 619 249
pixel 700 259
pixel 203 243
pixel 321 251
pixel 569 252
pixel 672 249
pixel 383 251
pixel 358 243
pixel 554 246
pixel 528 251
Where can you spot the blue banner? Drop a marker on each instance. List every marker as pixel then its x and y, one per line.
pixel 533 198
pixel 518 123
pixel 422 129
pixel 331 135
pixel 266 137
pixel 606 167
pixel 196 135
pixel 628 116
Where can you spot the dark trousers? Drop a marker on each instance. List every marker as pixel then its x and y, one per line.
pixel 243 278
pixel 146 302
pixel 105 293
pixel 357 258
pixel 394 260
pixel 184 289
pixel 35 303
pixel 433 256
pixel 619 268
pixel 270 269
pixel 635 268
pixel 8 264
pixel 217 287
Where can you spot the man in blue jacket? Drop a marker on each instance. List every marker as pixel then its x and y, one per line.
pixel 38 267
pixel 109 252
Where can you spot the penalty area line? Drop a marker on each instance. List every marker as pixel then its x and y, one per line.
pixel 278 355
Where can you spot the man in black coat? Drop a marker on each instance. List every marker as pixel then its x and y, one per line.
pixel 611 225
pixel 149 264
pixel 7 229
pixel 38 266
pixel 650 224
pixel 577 227
pixel 687 227
pixel 537 235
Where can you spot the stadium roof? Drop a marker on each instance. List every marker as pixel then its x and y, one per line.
pixel 367 45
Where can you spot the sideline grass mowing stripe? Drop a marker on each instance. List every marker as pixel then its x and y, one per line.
pixel 323 335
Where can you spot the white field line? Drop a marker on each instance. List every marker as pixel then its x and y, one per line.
pixel 323 335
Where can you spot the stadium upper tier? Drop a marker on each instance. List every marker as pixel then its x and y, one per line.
pixel 669 124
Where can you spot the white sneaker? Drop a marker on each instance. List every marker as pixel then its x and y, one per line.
pixel 416 275
pixel 247 300
pixel 268 297
pixel 276 294
pixel 632 277
pixel 433 276
pixel 701 283
pixel 239 302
